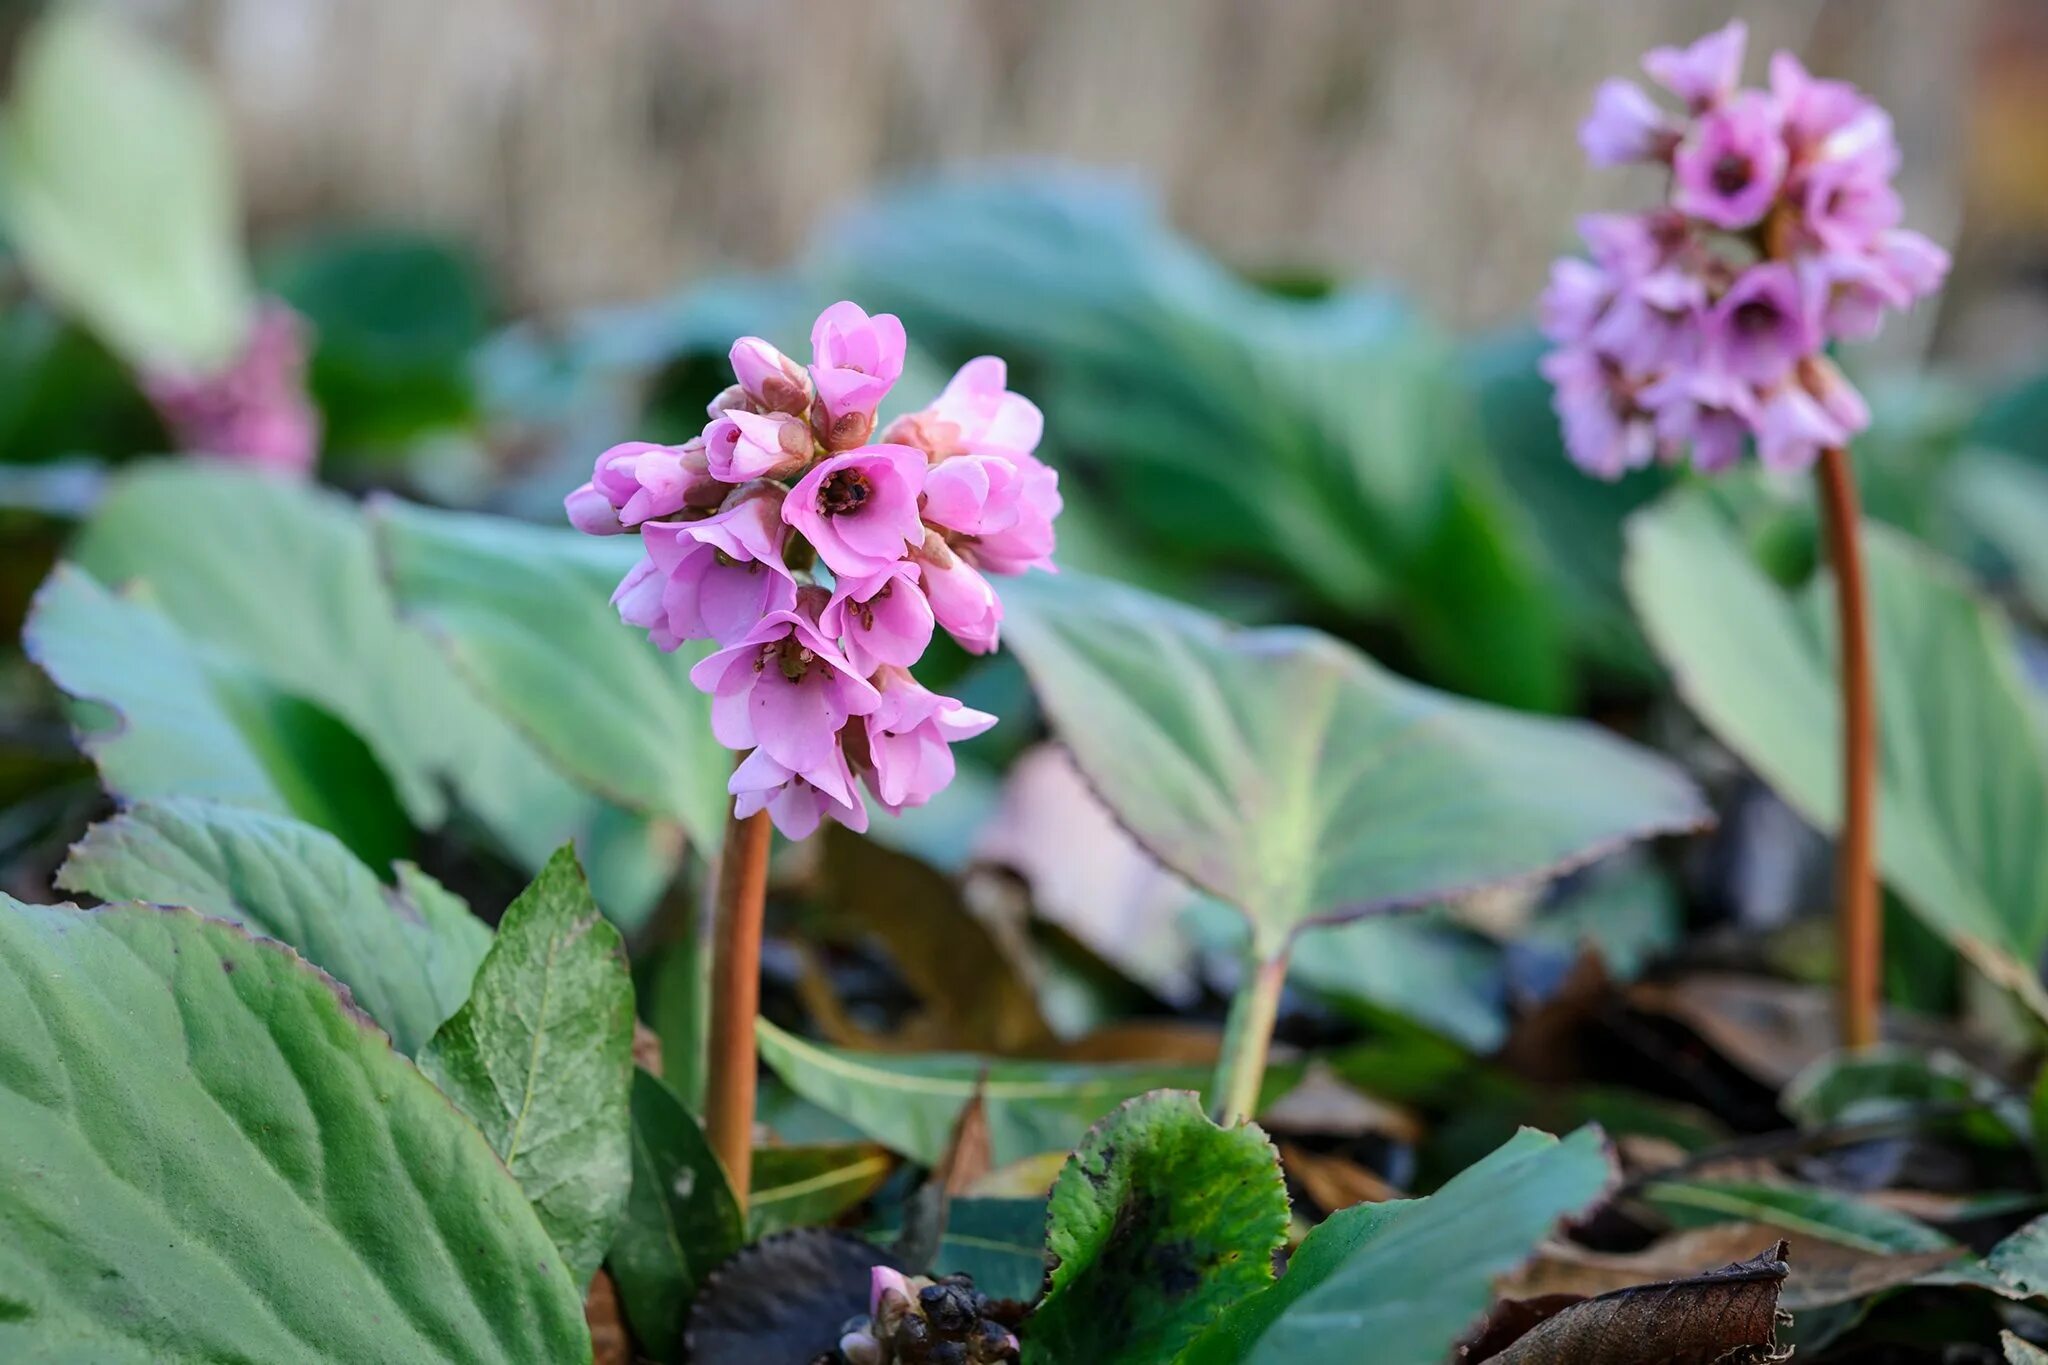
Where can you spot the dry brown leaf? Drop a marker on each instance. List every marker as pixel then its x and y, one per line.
pixel 1771 1029
pixel 1026 1179
pixel 1822 1273
pixel 1326 1105
pixel 646 1049
pixel 1333 1182
pixel 1727 1316
pixel 1146 1040
pixel 610 1342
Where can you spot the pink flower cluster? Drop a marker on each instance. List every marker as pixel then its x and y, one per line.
pixel 821 555
pixel 257 410
pixel 1703 322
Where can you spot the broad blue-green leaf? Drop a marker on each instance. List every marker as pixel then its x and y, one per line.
pixel 117 189
pixel 1158 1223
pixel 2004 500
pixel 283 580
pixel 406 953
pixel 161 717
pixel 206 1154
pixel 1399 1283
pixel 1293 777
pixel 909 1103
pixel 541 1056
pixel 1892 1080
pixel 1963 775
pixel 525 614
pixel 1829 1215
pixel 681 1218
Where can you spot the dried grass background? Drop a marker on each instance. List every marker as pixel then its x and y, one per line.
pixel 603 150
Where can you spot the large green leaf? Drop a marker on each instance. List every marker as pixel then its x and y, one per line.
pixel 803 1186
pixel 406 953
pixel 1158 1223
pixel 681 1218
pixel 162 717
pixel 2003 500
pixel 910 1103
pixel 1399 1283
pixel 117 189
pixel 206 1154
pixel 1296 779
pixel 1963 801
pixel 1810 1210
pixel 525 613
pixel 541 1056
pixel 283 579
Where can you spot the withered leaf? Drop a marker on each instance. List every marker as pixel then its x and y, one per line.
pixel 1723 1317
pixel 782 1300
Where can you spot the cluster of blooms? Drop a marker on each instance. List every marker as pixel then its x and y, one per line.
pixel 820 555
pixel 1703 321
pixel 256 410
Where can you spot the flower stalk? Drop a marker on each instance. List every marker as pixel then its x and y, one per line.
pixel 736 995
pixel 1860 923
pixel 1248 1039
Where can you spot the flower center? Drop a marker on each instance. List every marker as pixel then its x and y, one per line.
pixel 1731 173
pixel 1756 317
pixel 792 658
pixel 845 491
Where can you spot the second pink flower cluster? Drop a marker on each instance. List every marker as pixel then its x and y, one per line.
pixel 1702 323
pixel 821 560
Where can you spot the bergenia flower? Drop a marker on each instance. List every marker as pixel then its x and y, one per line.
pixel 1700 325
pixel 257 410
pixel 821 564
pixel 855 361
pixel 909 736
pixel 720 576
pixel 860 509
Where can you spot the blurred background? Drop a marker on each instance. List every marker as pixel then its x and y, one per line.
pixel 598 153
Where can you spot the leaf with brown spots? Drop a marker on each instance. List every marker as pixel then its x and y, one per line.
pixel 1723 1317
pixel 1159 1221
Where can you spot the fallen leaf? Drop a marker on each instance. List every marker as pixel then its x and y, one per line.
pixel 1771 1029
pixel 1333 1182
pixel 966 1159
pixel 1727 1316
pixel 1822 1273
pixel 1326 1105
pixel 610 1342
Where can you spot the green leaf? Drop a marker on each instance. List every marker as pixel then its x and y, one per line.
pixel 909 1103
pixel 541 1056
pixel 163 718
pixel 395 316
pixel 1293 777
pixel 681 1218
pixel 1158 1222
pixel 525 614
pixel 1399 1283
pixel 1000 1242
pixel 1893 1080
pixel 803 1186
pixel 1963 800
pixel 406 954
pixel 206 1154
pixel 283 580
pixel 1809 1210
pixel 117 189
pixel 2003 499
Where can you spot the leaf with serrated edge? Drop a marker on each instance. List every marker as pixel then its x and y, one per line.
pixel 207 1154
pixel 1409 1277
pixel 407 955
pixel 1159 1221
pixel 1293 777
pixel 541 1056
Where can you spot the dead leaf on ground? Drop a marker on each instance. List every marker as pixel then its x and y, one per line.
pixel 1333 1182
pixel 1326 1105
pixel 610 1342
pixel 966 1160
pixel 1727 1316
pixel 1771 1029
pixel 974 992
pixel 1822 1273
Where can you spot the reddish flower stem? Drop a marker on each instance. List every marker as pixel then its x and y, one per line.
pixel 1860 927
pixel 736 995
